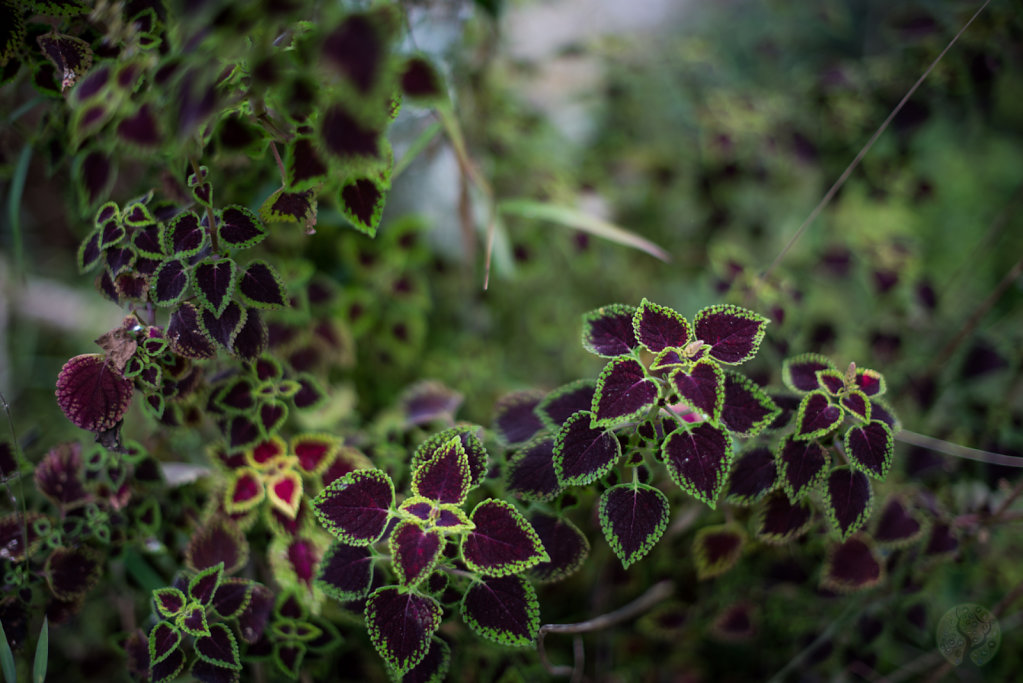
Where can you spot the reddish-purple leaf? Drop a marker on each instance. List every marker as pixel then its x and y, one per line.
pixel 503 609
pixel 565 401
pixel 96 173
pixel 262 287
pixel 942 540
pixel 219 647
pixel 163 640
pixel 414 552
pixel 433 667
pixel 855 403
pixel 272 415
pixel 870 382
pixel 633 518
pixel 223 327
pixel 207 672
pixel 356 507
pixel 184 235
pixel 800 372
pixel 801 464
pixel 89 252
pixel 141 129
pixel 187 336
pixel 429 400
pixel 239 227
pixel 832 381
pixel 218 541
pixel 747 409
pixel 515 419
pixel 356 49
pixel 698 459
pixel 753 476
pixel 870 448
pixel 817 416
pixel 583 454
pixel 703 388
pixel 251 338
pixel 530 473
pixel 345 137
pixel 896 526
pixel 780 521
pixel 502 541
pixel 444 478
pixel 624 392
pixel 881 412
pixel 659 327
pixel 852 565
pixel 168 668
pixel 848 500
pixel 92 394
pixel 732 333
pixel 608 331
pixel 231 597
pixel 717 548
pixel 204 584
pixel 72 572
pixel 566 545
pixel 253 619
pixel 214 281
pixel 401 625
pixel 59 476
pixel 305 169
pixel 346 572
pixel 419 80
pixel 146 242
pixel 361 200
pixel 241 432
pixel 170 283
pixel 469 435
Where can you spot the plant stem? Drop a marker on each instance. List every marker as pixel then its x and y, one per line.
pixel 280 164
pixel 212 227
pixel 949 448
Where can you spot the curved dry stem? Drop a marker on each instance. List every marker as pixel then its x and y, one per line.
pixel 949 448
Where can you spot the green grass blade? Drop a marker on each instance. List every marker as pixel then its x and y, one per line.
pixel 42 653
pixel 14 207
pixel 573 218
pixel 6 657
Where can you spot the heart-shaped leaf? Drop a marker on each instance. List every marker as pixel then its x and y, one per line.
pixel 430 401
pixel 851 566
pixel 717 548
pixel 170 283
pixel 305 169
pixel 224 327
pixel 432 668
pixel 207 672
pixel 290 207
pixel 583 454
pixel 702 387
pixel 90 251
pixel 186 334
pixel 169 601
pixel 169 667
pixel 163 640
pixel 879 410
pixel 799 373
pixel 856 404
pixel 284 490
pixel 192 620
pixel 401 625
pixel 219 648
pixel 870 448
pixel 747 409
pixel 504 609
pixel 732 333
pixel 530 473
pixel 232 596
pixel 183 236
pixel 214 283
pixel 314 452
pixel 219 541
pixel 608 331
pixel 870 382
pixel 261 287
pixel 753 476
pixel 801 464
pixel 565 401
pixel 92 394
pixel 203 585
pixel 444 478
pixel 356 507
pixel 659 327
pixel 566 545
pixel 515 419
pixel 817 416
pixel 420 80
pixel 698 460
pixel 832 381
pixel 251 337
pixel 346 572
pixel 623 393
pixel 502 541
pixel 469 436
pixel 847 500
pixel 287 655
pixel 780 521
pixel 361 200
pixel 253 619
pixel 414 552
pixel 896 526
pixel 633 518
pixel 349 141
pixel 239 228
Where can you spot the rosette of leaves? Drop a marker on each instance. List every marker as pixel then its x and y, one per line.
pixel 832 399
pixel 432 544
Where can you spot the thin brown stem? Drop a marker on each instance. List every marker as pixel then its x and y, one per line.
pixel 830 194
pixel 280 164
pixel 949 448
pixel 1009 500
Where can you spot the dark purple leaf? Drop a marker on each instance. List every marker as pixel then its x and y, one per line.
pixel 470 437
pixel 734 623
pixel 218 541
pixel 565 401
pixel 110 234
pixel 204 584
pixel 254 617
pixel 96 174
pixel 361 200
pixel 146 242
pixel 138 215
pixel 659 327
pixel 633 518
pixel 251 338
pixel 346 572
pixel 272 415
pixel 942 540
pixel 8 460
pixel 503 609
pixel 896 526
pixel 817 416
pixel 780 521
pixel 427 401
pixel 132 287
pixel 262 287
pixel 583 454
pixel 169 601
pixel 290 207
pixel 870 448
pixel 870 382
pixel 356 507
pixel 163 640
pixel 880 411
pixel 59 476
pixel 237 396
pixel 89 252
pixel 852 565
pixel 119 259
pixel 288 656
pixel 92 394
pixel 170 283
pixel 214 282
pixel 345 137
pixel 239 228
pixel 241 432
pixel 72 572
pixel 855 403
pixel 207 672
pixel 305 168
pixel 187 336
pixel 183 236
pixel 140 130
pixel 224 327
pixel 91 85
pixel 192 620
pixel 608 331
pixel 401 625
pixel 753 476
pixel 801 464
pixel 566 545
pixel 732 333
pixel 168 668
pixel 444 478
pixel 800 372
pixel 357 50
pixel 530 473
pixel 232 597
pixel 703 388
pixel 832 381
pixel 219 647
pixel 502 541
pixel 414 552
pixel 71 56
pixel 698 459
pixel 515 419
pixel 623 393
pixel 419 80
pixel 310 394
pixel 717 548
pixel 747 408
pixel 847 500
pixel 433 667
